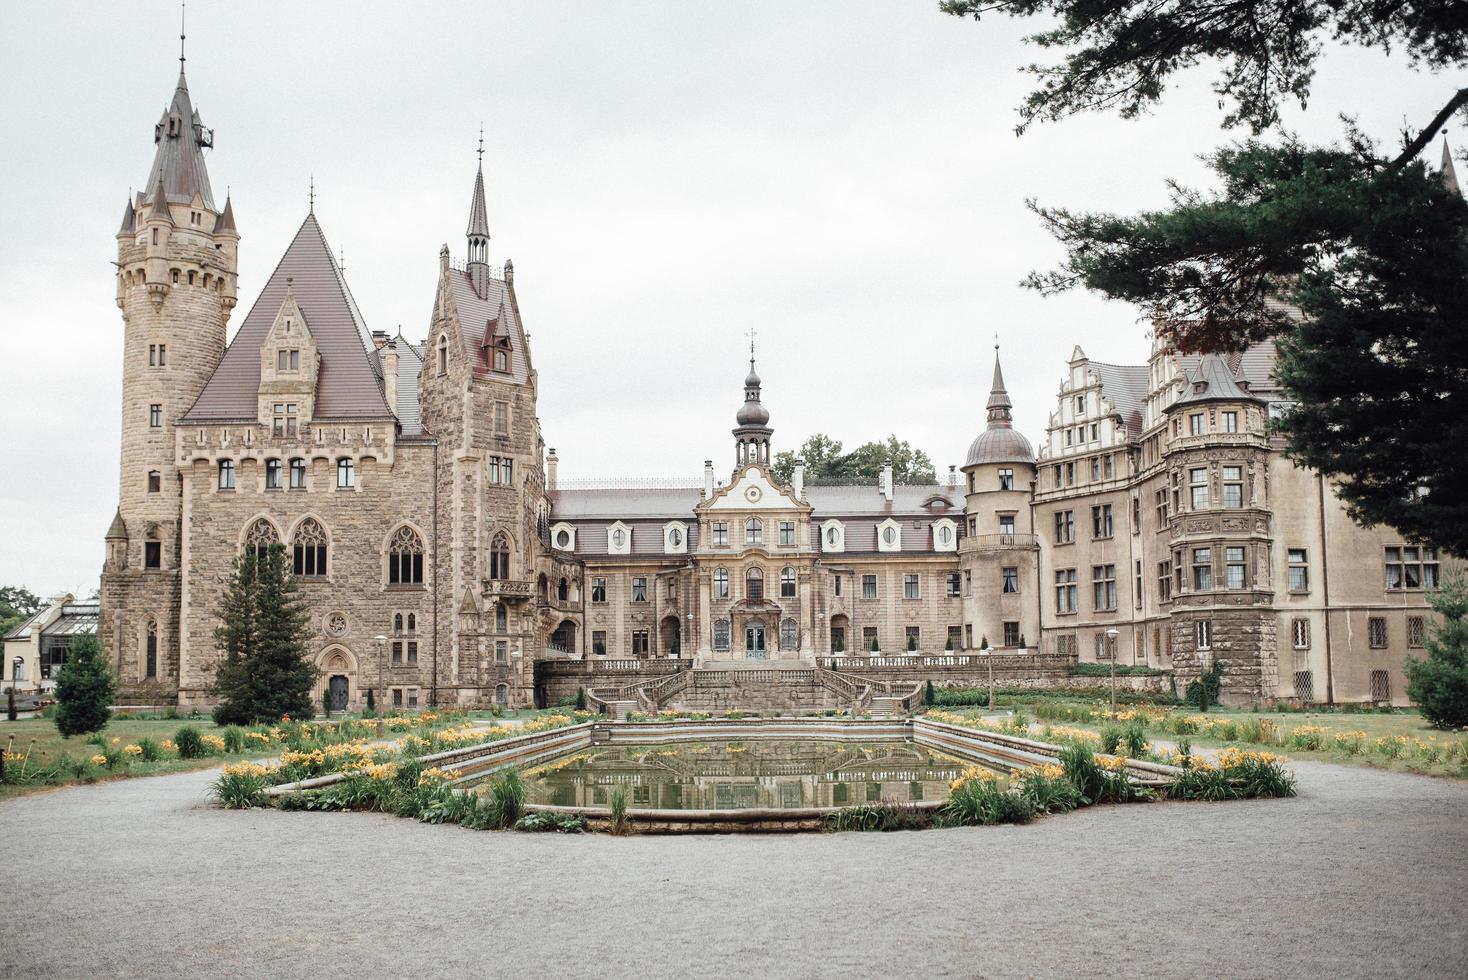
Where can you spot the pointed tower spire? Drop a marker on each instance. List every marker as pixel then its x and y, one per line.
pixel 181 138
pixel 478 231
pixel 225 224
pixel 159 207
pixel 129 217
pixel 752 429
pixel 1448 174
pixel 999 404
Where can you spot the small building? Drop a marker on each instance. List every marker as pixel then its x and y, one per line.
pixel 36 649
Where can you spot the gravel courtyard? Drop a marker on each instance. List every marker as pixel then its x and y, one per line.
pixel 1361 876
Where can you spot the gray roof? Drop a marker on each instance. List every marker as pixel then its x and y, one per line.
pixel 179 159
pixel 1125 387
pixel 1211 381
pixel 483 317
pixel 478 220
pixel 611 505
pixel 129 220
pixel 349 385
pixel 225 224
pixel 410 363
pixel 999 445
pixel 827 501
pixel 1449 175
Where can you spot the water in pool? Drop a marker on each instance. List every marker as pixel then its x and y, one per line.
pixel 742 774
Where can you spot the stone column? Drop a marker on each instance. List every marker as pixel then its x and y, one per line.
pixel 807 617
pixel 705 648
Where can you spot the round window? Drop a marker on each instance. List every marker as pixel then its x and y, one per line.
pixel 945 534
pixel 619 537
pixel 889 535
pixel 831 535
pixel 563 538
pixel 675 537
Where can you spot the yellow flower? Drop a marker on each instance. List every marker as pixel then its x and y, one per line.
pixel 133 749
pixel 99 760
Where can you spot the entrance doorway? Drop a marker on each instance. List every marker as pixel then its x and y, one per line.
pixel 754 641
pixel 338 687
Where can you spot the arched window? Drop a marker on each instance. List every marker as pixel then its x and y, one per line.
pixel 259 538
pixel 721 634
pixel 787 583
pixel 501 619
pixel 501 361
pixel 397 623
pixel 754 583
pixel 788 634
pixel 753 531
pixel 443 354
pixel 155 481
pixel 563 590
pixel 345 474
pixel 721 583
pixel 412 623
pixel 150 664
pixel 308 553
pixel 405 558
pixel 499 557
pixel 298 474
pixel 502 695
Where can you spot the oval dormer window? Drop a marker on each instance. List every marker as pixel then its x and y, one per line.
pixel 619 537
pixel 889 534
pixel 945 534
pixel 563 538
pixel 832 535
pixel 675 537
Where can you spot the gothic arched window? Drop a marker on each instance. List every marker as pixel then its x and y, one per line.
pixel 443 354
pixel 563 590
pixel 499 557
pixel 787 583
pixel 150 664
pixel 397 623
pixel 259 538
pixel 308 552
pixel 721 583
pixel 405 558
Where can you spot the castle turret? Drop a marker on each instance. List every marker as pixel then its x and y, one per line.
pixel 478 231
pixel 752 430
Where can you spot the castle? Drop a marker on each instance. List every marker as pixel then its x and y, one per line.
pixel 1159 523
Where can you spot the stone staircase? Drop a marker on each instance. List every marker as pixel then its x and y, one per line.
pixel 754 687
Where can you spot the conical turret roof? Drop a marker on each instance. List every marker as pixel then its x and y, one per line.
pixel 180 137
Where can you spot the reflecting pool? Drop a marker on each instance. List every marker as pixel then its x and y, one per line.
pixel 726 775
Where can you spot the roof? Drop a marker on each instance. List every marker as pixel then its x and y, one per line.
pixel 22 630
pixel 129 220
pixel 1449 175
pixel 1125 387
pixel 225 223
pixel 349 385
pixel 76 618
pixel 478 220
pixel 179 158
pixel 410 363
pixel 1212 380
pixel 493 314
pixel 999 445
pixel 678 504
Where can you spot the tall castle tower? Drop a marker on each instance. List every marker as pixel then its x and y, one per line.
pixel 177 261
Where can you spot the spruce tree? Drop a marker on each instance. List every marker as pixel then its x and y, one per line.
pixel 262 632
pixel 85 689
pixel 1439 682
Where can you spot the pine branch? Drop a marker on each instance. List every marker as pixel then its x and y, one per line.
pixel 1458 101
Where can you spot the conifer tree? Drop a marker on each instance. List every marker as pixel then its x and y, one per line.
pixel 1439 682
pixel 85 689
pixel 262 633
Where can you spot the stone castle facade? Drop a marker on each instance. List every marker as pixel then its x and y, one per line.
pixel 1159 523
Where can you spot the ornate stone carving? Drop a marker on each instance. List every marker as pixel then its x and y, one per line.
pixel 335 624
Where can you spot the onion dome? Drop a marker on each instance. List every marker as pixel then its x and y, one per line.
pixel 752 412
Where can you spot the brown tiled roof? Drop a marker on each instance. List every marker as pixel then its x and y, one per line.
pixel 493 314
pixel 179 159
pixel 348 386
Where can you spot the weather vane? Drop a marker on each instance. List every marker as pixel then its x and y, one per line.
pixel 182 33
pixel 751 345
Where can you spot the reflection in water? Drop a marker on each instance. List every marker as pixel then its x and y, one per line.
pixel 749 773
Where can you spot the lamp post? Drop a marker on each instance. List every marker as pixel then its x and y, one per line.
pixel 381 642
pixel 989 658
pixel 15 666
pixel 1111 636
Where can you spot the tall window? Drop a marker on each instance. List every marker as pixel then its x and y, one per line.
pixel 913 638
pixel 501 361
pixel 1229 421
pixel 721 634
pixel 1006 525
pixel 1233 486
pixel 1101 526
pixel 298 474
pixel 787 583
pixel 501 652
pixel 150 658
pixel 345 475
pixel 910 587
pixel 1103 587
pixel 1159 501
pixel 283 417
pixel 1006 479
pixel 155 481
pixel 272 474
pixel 1164 580
pixel 753 531
pixel 259 538
pixel 155 416
pixel 443 354
pixel 788 634
pixel 152 554
pixel 1298 578
pixel 1376 631
pixel 157 355
pixel 1414 632
pixel 499 558
pixel 869 586
pixel 1196 425
pixel 639 643
pixel 501 618
pixel 308 551
pixel 1065 527
pixel 1233 567
pixel 754 583
pixel 226 474
pixel 1202 569
pixel 1198 487
pixel 639 589
pixel 1067 598
pixel 599 643
pixel 721 534
pixel 501 418
pixel 501 471
pixel 1009 575
pixel 598 591
pixel 787 533
pixel 1411 568
pixel 954 584
pixel 721 583
pixel 1204 634
pixel 287 360
pixel 1011 634
pixel 1300 632
pixel 405 558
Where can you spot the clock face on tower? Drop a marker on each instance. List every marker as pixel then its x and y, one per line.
pixel 752 494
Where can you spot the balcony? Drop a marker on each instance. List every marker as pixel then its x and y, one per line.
pixel 997 542
pixel 512 590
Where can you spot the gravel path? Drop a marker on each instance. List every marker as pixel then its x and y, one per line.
pixel 1360 876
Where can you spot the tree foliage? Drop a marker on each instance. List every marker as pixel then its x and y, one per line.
pixel 85 689
pixel 1439 682
pixel 827 462
pixel 16 605
pixel 1353 260
pixel 262 634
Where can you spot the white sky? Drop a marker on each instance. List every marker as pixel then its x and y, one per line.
pixel 841 176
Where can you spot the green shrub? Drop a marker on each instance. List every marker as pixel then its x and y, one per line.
pixel 618 811
pixel 1203 692
pixel 1439 682
pixel 567 823
pixel 234 740
pixel 984 802
pixel 1122 670
pixel 1134 739
pixel 1048 794
pixel 85 689
pixel 189 742
pixel 506 799
pixel 885 816
pixel 152 751
pixel 1096 783
pixel 240 787
pixel 1110 738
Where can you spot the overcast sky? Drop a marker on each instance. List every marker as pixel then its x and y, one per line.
pixel 843 177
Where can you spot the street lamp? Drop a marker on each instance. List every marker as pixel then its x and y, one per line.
pixel 989 657
pixel 1111 636
pixel 381 642
pixel 15 666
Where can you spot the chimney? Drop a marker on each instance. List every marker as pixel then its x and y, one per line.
pixel 886 485
pixel 953 476
pixel 389 372
pixel 379 339
pixel 798 479
pixel 708 479
pixel 552 464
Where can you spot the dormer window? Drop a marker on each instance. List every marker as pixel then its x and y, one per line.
pixel 501 359
pixel 283 419
pixel 287 360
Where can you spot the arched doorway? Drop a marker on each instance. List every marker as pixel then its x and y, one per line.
pixel 340 678
pixel 670 638
pixel 564 636
pixel 754 640
pixel 840 634
pixel 340 690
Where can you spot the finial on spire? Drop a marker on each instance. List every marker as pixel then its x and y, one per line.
pixel 751 347
pixel 481 146
pixel 182 33
pixel 311 195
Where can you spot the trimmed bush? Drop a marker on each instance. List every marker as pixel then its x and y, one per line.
pixel 985 802
pixel 190 743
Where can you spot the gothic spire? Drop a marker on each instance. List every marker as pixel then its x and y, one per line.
pixel 1449 175
pixel 181 139
pixel 478 231
pixel 999 404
